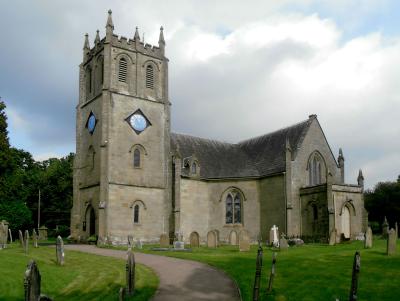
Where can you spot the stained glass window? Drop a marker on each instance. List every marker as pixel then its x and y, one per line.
pixel 238 209
pixel 229 210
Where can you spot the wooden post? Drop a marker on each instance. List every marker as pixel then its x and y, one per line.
pixel 272 275
pixel 256 289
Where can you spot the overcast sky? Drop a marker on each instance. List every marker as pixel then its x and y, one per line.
pixel 238 69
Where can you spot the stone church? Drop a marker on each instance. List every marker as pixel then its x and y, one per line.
pixel 133 176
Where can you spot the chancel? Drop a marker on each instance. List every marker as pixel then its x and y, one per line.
pixel 133 176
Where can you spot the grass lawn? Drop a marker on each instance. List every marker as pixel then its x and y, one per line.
pixel 83 277
pixel 312 272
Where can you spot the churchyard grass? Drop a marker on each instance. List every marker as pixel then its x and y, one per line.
pixel 83 276
pixel 311 272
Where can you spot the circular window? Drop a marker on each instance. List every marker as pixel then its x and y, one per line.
pixel 138 122
pixel 91 123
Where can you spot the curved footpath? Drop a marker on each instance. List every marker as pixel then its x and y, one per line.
pixel 179 279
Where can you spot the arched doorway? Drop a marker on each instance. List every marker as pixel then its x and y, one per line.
pixel 91 218
pixel 346 222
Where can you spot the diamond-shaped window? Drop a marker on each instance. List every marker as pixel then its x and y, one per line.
pixel 91 123
pixel 138 121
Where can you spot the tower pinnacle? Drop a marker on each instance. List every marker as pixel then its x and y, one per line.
pixel 110 23
pixel 137 36
pixel 161 41
pixel 97 39
pixel 86 47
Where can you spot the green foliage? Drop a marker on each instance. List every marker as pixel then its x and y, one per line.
pixel 83 277
pixel 308 272
pixel 384 200
pixel 17 214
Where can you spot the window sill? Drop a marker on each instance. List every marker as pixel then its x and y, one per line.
pixel 233 225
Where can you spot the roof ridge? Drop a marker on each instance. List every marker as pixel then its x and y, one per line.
pixel 273 133
pixel 202 138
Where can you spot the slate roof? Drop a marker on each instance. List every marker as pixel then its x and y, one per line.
pixel 257 157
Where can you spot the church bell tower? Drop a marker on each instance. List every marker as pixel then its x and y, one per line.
pixel 121 168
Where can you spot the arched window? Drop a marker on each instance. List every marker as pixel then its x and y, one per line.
pixel 136 214
pixel 229 209
pixel 237 210
pixel 233 210
pixel 194 168
pixel 149 77
pixel 315 169
pixel 136 158
pixel 122 70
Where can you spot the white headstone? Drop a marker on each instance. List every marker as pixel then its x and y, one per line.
pixel 275 241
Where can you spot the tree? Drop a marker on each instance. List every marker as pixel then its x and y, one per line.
pixel 384 200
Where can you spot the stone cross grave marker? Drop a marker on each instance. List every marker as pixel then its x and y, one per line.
pixel 130 242
pixel 164 241
pixel 211 239
pixel 274 236
pixel 34 238
pixel 21 238
pixel 385 228
pixel 244 241
pixel 130 273
pixel 32 281
pixel 368 238
pixel 10 235
pixel 283 244
pixel 256 288
pixel 354 277
pixel 60 250
pixel 233 238
pixel 194 240
pixel 26 241
pixel 332 237
pixel 391 242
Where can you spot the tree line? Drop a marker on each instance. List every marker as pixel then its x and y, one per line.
pixel 21 178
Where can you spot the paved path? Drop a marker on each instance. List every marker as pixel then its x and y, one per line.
pixel 179 279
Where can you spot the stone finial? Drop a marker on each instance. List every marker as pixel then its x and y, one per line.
pixel 110 24
pixel 137 36
pixel 312 116
pixel 161 41
pixel 86 45
pixel 97 39
pixel 360 178
pixel 340 158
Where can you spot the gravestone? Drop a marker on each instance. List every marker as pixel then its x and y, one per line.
pixel 21 238
pixel 368 238
pixel 179 245
pixel 10 235
pixel 211 239
pixel 216 232
pixel 256 287
pixel 164 241
pixel 4 233
pixel 283 244
pixel 26 241
pixel 32 281
pixel 244 241
pixel 391 242
pixel 130 242
pixel 43 233
pixel 354 277
pixel 396 229
pixel 194 240
pixel 139 244
pixel 332 237
pixel 233 238
pixel 274 236
pixel 385 228
pixel 60 251
pixel 34 238
pixel 130 273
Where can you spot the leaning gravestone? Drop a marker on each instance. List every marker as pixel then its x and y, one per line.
pixel 233 238
pixel 244 241
pixel 60 251
pixel 34 238
pixel 32 283
pixel 130 242
pixel 283 244
pixel 194 240
pixel 385 228
pixel 391 242
pixel 368 238
pixel 10 235
pixel 354 276
pixel 26 241
pixel 164 241
pixel 211 239
pixel 130 273
pixel 332 237
pixel 21 238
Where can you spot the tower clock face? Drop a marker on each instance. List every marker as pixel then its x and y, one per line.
pixel 91 123
pixel 138 122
